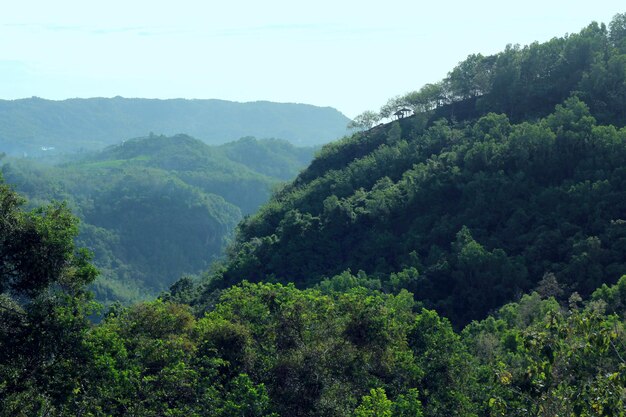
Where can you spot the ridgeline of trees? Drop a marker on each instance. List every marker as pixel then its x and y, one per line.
pixel 158 207
pixel 428 268
pixel 526 83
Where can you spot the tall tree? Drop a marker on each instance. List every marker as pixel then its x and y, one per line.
pixel 43 306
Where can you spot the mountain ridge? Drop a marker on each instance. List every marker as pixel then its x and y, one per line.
pixel 72 125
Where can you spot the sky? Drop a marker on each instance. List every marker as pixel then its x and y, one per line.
pixel 351 55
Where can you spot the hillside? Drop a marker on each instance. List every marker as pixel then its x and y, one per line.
pixel 268 350
pixel 157 207
pixel 467 214
pixel 462 262
pixel 75 125
pixel 526 83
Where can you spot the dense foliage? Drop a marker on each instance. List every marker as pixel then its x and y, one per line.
pixel 155 208
pixel 43 305
pixel 28 125
pixel 466 214
pixel 527 82
pixel 424 268
pixel 270 350
pixel 466 217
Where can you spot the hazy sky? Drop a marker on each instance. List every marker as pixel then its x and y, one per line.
pixel 352 55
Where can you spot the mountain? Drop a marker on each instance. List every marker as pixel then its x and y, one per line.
pixel 526 83
pixel 156 207
pixel 469 212
pixel 42 127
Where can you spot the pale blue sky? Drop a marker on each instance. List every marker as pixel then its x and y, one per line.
pixel 352 55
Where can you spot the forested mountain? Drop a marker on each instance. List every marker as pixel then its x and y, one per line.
pixel 267 350
pixel 451 263
pixel 154 208
pixel 526 83
pixel 466 214
pixel 30 125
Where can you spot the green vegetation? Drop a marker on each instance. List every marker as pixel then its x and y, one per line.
pixel 269 349
pixel 526 83
pixel 158 207
pixel 428 267
pixel 78 125
pixel 465 214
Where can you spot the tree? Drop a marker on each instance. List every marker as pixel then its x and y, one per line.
pixel 364 121
pixel 617 33
pixel 374 405
pixel 37 248
pixel 393 104
pixel 429 97
pixel 471 77
pixel 408 405
pixel 43 306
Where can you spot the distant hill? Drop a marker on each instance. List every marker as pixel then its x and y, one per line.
pixel 156 207
pixel 272 157
pixel 36 126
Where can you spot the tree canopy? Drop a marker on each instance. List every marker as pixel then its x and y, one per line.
pixel 157 207
pixel 467 261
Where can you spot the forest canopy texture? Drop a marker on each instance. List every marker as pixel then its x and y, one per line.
pixel 157 207
pixel 466 213
pixel 468 260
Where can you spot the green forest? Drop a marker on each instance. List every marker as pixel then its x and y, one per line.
pixel 157 207
pixel 39 128
pixel 466 260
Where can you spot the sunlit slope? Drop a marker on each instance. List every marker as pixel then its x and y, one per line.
pixel 467 211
